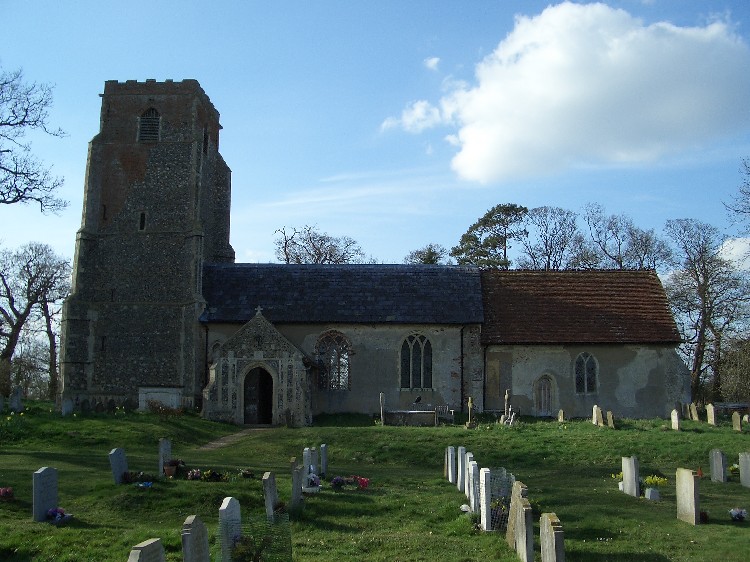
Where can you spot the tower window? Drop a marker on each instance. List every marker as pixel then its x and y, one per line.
pixel 142 222
pixel 148 126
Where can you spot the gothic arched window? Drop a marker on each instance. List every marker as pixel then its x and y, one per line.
pixel 148 126
pixel 416 362
pixel 332 351
pixel 587 371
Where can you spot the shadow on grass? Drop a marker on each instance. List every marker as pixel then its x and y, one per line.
pixel 583 556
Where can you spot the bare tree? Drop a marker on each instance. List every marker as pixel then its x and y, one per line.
pixel 488 240
pixel 432 254
pixel 24 107
pixel 735 381
pixel 739 207
pixel 309 245
pixel 553 241
pixel 28 277
pixel 708 295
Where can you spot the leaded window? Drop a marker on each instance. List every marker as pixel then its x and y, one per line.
pixel 333 350
pixel 416 362
pixel 148 126
pixel 587 371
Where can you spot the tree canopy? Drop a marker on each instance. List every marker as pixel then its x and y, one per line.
pixel 309 245
pixel 486 242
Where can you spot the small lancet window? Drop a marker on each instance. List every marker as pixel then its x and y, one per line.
pixel 586 371
pixel 142 222
pixel 148 126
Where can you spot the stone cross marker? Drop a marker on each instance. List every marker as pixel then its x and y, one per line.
pixel 630 476
pixel 507 402
pixel 323 460
pixel 551 538
pixel 165 454
pixel 119 464
pixel 461 469
pixel 270 494
pixel 736 421
pixel 675 420
pixel 148 551
pixel 694 412
pixel 45 492
pixel 230 526
pixel 710 414
pixel 745 469
pixel 195 540
pixel 718 462
pixel 688 502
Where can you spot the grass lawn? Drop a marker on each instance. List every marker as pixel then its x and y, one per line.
pixel 409 512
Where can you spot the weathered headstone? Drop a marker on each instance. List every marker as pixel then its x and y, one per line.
pixel 610 420
pixel 314 461
pixel 306 459
pixel 148 551
pixel 165 454
pixel 295 503
pixel 688 503
pixel 551 538
pixel 745 469
pixel 15 401
pixel 694 412
pixel 45 492
pixel 561 416
pixel 675 420
pixel 485 499
pixel 119 464
pixel 630 476
pixel 66 406
pixel 467 484
pixel 718 462
pixel 474 486
pixel 596 416
pixel 520 491
pixel 710 414
pixel 461 468
pixel 195 540
pixel 230 526
pixel 746 418
pixel 270 494
pixel 451 461
pixel 524 532
pixel 736 421
pixel 323 460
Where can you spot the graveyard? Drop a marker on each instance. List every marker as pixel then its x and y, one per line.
pixel 408 510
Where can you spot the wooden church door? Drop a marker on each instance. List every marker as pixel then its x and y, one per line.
pixel 258 397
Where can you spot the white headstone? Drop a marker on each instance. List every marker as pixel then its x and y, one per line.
pixel 675 420
pixel 467 464
pixel 630 476
pixel 451 452
pixel 461 468
pixel 474 486
pixel 710 414
pixel 736 421
pixel 551 538
pixel 718 462
pixel 688 502
pixel 119 464
pixel 230 526
pixel 148 551
pixel 195 540
pixel 45 492
pixel 524 537
pixel 165 454
pixel 485 499
pixel 270 494
pixel 745 469
pixel 323 460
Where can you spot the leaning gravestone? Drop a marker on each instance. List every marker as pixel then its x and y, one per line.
pixel 195 540
pixel 15 402
pixel 630 476
pixel 148 551
pixel 745 469
pixel 520 491
pixel 675 420
pixel 45 492
pixel 524 533
pixel 461 469
pixel 119 464
pixel 610 420
pixel 694 412
pixel 710 414
pixel 718 466
pixel 270 494
pixel 688 503
pixel 230 526
pixel 736 421
pixel 165 454
pixel 551 538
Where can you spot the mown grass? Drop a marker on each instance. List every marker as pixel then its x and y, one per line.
pixel 409 513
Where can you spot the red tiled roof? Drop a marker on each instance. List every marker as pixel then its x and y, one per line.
pixel 542 307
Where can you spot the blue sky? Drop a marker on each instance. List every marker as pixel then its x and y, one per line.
pixel 400 123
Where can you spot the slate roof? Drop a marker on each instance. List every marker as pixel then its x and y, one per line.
pixel 350 294
pixel 539 307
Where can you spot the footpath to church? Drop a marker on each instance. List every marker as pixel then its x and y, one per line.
pixel 232 438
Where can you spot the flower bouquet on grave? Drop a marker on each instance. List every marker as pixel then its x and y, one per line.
pixel 194 474
pixel 211 475
pixel 618 477
pixel 738 514
pixel 734 470
pixel 312 484
pixel 6 493
pixel 57 516
pixel 247 473
pixel 652 484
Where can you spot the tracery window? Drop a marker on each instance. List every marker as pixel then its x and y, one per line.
pixel 587 372
pixel 148 126
pixel 416 362
pixel 333 350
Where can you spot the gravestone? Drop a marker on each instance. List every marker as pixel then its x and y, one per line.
pixel 745 469
pixel 270 494
pixel 675 420
pixel 610 420
pixel 195 540
pixel 736 421
pixel 551 538
pixel 694 412
pixel 45 492
pixel 451 452
pixel 467 484
pixel 688 504
pixel 323 460
pixel 230 526
pixel 560 416
pixel 596 416
pixel 685 412
pixel 485 499
pixel 165 454
pixel 15 401
pixel 148 551
pixel 306 459
pixel 524 533
pixel 382 408
pixel 718 462
pixel 710 414
pixel 119 464
pixel 314 461
pixel 746 418
pixel 295 503
pixel 630 476
pixel 474 486
pixel 461 468
pixel 519 492
pixel 66 406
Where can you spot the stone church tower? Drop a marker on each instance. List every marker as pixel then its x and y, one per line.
pixel 156 208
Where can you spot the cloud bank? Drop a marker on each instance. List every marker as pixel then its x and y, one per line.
pixel 589 85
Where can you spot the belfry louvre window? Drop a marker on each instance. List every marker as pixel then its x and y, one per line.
pixel 416 362
pixel 587 371
pixel 332 351
pixel 148 126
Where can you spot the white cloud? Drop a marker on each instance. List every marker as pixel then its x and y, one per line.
pixel 589 85
pixel 737 250
pixel 432 63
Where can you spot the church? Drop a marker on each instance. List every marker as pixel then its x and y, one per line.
pixel 159 310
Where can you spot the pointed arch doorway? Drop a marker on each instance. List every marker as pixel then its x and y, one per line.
pixel 544 396
pixel 258 397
